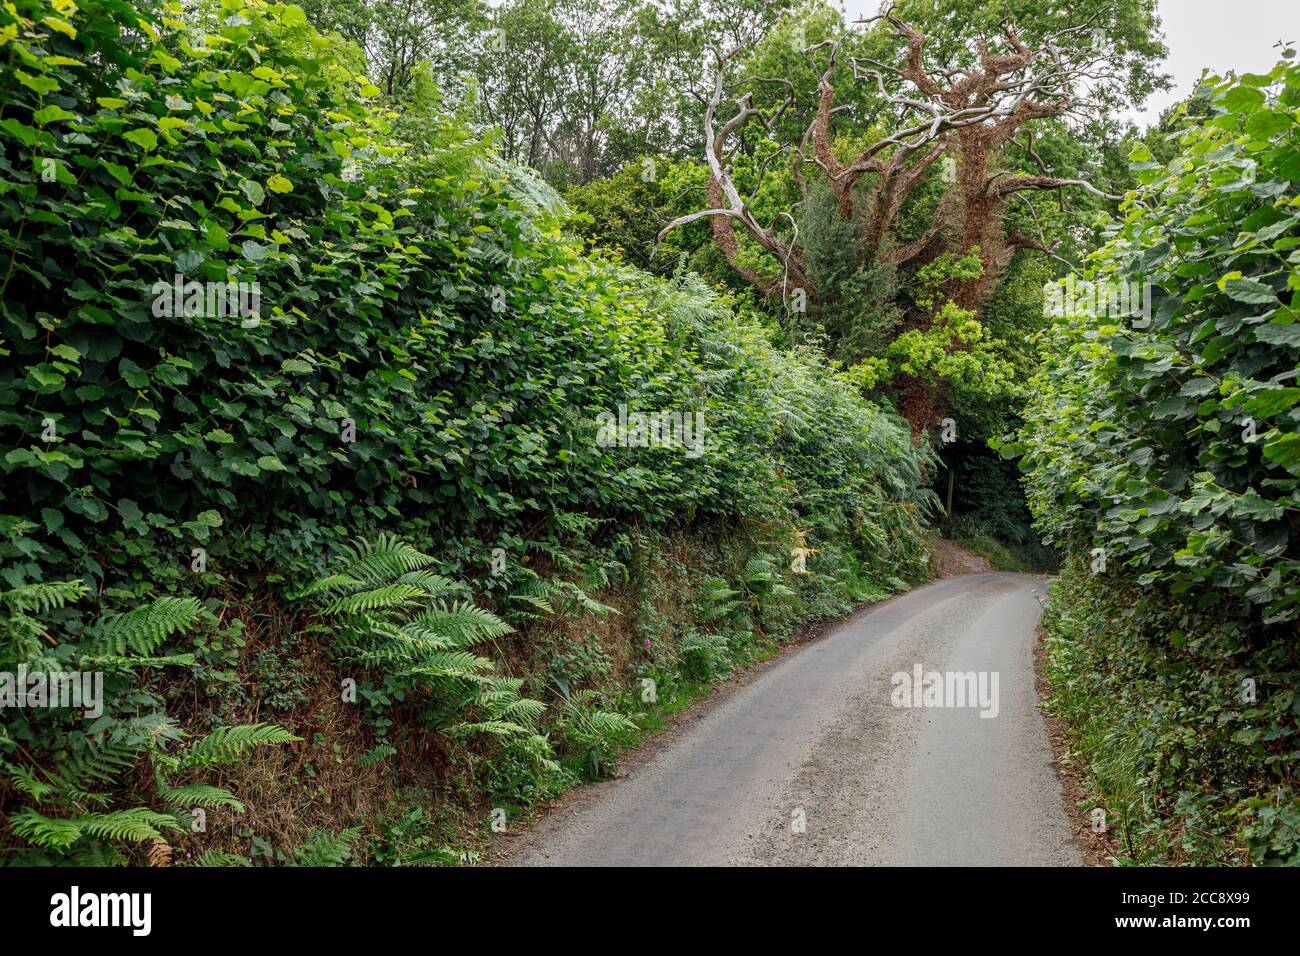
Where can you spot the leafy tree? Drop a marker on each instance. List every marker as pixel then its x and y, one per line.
pixel 966 110
pixel 400 37
pixel 578 88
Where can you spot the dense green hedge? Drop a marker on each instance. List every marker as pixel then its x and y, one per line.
pixel 1139 440
pixel 430 354
pixel 425 297
pixel 1186 771
pixel 1165 449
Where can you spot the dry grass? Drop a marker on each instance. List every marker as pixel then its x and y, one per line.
pixel 288 791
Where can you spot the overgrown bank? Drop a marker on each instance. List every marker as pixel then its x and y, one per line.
pixel 251 341
pixel 1161 453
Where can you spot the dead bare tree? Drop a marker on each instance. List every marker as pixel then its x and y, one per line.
pixel 968 113
pixel 727 207
pixel 1014 89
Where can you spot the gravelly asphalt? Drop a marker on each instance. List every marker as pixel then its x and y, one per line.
pixel 817 733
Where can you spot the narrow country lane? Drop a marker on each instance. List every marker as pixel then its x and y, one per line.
pixel 817 741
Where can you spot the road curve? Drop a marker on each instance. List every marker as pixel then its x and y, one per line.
pixel 812 764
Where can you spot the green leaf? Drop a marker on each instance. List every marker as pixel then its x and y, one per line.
pixel 1274 334
pixel 1268 403
pixel 146 139
pixel 118 172
pixel 1268 123
pixel 20 130
pixel 41 85
pixel 51 114
pixel 1285 450
pixel 1250 291
pixel 253 190
pixel 253 251
pixel 1242 99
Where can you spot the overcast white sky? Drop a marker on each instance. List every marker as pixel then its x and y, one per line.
pixel 1220 34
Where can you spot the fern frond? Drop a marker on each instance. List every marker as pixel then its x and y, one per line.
pixel 113 663
pixel 495 700
pixel 434 584
pixel 410 656
pixel 535 600
pixel 382 558
pixel 500 699
pixel 460 664
pixel 68 795
pixel 156 728
pixel 99 763
pixel 443 856
pixel 137 824
pixel 44 596
pixel 757 570
pixel 608 723
pixel 592 722
pixel 506 685
pixel 393 613
pixel 464 621
pixel 406 643
pixel 326 849
pixel 525 710
pixel 333 582
pixel 583 600
pixel 378 754
pixel 385 598
pixel 210 858
pixel 201 795
pixel 29 783
pixel 145 628
pixel 536 747
pixel 40 830
pixel 97 854
pixel 421 635
pixel 722 602
pixel 717 590
pixel 498 728
pixel 227 744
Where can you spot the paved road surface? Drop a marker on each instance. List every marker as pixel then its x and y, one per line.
pixel 817 735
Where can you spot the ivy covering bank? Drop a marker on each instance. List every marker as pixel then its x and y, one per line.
pixel 242 323
pixel 1163 450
